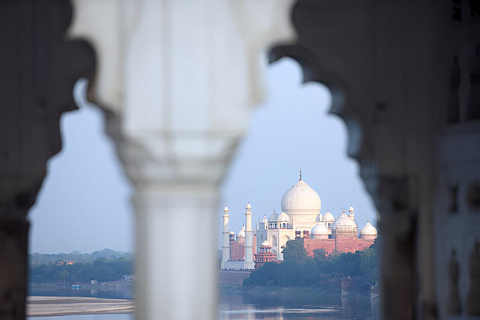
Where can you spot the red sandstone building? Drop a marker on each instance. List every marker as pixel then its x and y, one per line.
pixel 340 237
pixel 264 255
pixel 237 246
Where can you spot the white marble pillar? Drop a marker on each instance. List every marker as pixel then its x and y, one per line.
pixel 176 261
pixel 179 80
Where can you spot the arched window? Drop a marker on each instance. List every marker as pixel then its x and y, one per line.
pixel 274 241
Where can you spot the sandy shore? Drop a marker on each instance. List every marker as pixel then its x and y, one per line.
pixel 62 306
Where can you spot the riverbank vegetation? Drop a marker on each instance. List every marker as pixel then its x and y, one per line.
pixel 299 270
pixel 77 256
pixel 102 266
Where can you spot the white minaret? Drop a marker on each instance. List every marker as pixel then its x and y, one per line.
pixel 225 239
pixel 351 212
pixel 249 264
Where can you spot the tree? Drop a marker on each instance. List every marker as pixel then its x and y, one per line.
pixel 320 255
pixel 295 251
pixel 348 264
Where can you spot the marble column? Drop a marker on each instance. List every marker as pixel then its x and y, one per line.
pixel 179 80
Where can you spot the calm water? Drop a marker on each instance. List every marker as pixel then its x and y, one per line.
pixel 296 306
pixel 263 306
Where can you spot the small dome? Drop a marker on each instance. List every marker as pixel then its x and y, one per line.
pixel 232 233
pixel 241 233
pixel 328 217
pixel 344 223
pixel 301 197
pixel 266 244
pixel 283 217
pixel 248 206
pixel 351 209
pixel 320 229
pixel 225 210
pixel 319 218
pixel 264 218
pixel 273 217
pixel 368 230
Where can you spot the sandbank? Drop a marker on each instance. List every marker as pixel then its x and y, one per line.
pixel 63 306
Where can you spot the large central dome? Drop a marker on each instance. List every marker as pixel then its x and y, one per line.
pixel 301 198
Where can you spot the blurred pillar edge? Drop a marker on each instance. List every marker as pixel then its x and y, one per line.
pixel 178 81
pixel 38 69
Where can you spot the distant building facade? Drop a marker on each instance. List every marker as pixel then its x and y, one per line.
pixel 300 219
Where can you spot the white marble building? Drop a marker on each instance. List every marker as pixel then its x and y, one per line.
pixel 300 217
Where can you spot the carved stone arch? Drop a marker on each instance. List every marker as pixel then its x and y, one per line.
pixel 395 192
pixel 313 71
pixel 39 70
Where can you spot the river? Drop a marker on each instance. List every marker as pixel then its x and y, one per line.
pixel 297 304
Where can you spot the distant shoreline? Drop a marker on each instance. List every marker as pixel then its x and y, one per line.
pixel 39 306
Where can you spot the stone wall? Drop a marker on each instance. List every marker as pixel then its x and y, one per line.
pixel 341 244
pixel 233 277
pixel 237 250
pixel 313 244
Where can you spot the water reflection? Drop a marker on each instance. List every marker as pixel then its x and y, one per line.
pixel 296 306
pixel 302 304
pixel 83 291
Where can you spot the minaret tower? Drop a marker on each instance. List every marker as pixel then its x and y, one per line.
pixel 225 239
pixel 249 264
pixel 351 212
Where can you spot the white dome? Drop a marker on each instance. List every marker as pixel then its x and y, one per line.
pixel 351 209
pixel 248 206
pixel 266 244
pixel 232 233
pixel 264 218
pixel 328 217
pixel 320 229
pixel 301 197
pixel 225 210
pixel 241 233
pixel 368 230
pixel 319 218
pixel 273 217
pixel 344 223
pixel 283 217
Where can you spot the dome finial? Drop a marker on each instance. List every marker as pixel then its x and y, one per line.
pixel 300 174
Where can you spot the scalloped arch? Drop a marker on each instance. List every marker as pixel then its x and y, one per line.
pixel 314 72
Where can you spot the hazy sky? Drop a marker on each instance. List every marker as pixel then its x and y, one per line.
pixel 85 200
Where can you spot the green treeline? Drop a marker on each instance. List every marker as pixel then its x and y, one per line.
pixel 299 270
pixel 100 269
pixel 77 256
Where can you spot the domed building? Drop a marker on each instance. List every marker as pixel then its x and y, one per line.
pixel 302 204
pixel 264 254
pixel 320 231
pixel 328 219
pixel 368 232
pixel 343 236
pixel 344 225
pixel 300 218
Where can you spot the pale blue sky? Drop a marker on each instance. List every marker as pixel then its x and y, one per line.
pixel 85 200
